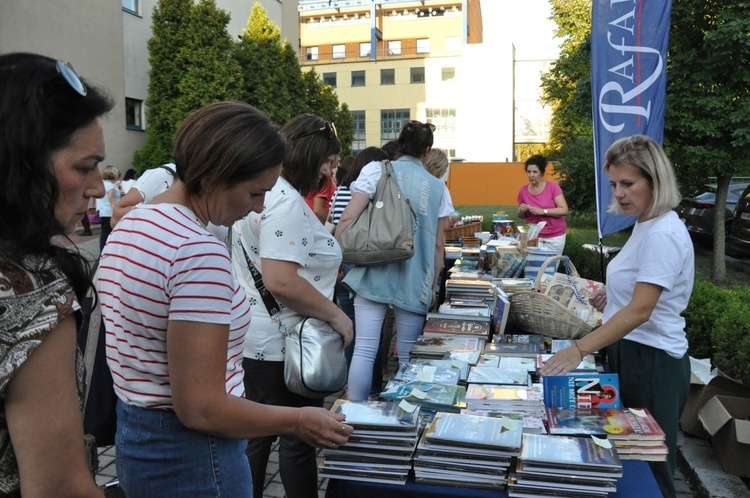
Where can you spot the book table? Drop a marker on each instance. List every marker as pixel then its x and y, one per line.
pixel 637 481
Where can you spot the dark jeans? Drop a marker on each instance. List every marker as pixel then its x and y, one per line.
pixel 650 378
pixel 298 466
pixel 106 230
pixel 345 301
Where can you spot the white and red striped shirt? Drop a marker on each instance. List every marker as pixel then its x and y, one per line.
pixel 161 264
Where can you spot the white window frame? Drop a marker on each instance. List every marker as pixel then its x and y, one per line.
pixel 338 51
pixel 312 53
pixel 365 50
pixel 133 114
pixel 394 47
pixel 423 45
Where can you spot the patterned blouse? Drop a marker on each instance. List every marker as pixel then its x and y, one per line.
pixel 31 305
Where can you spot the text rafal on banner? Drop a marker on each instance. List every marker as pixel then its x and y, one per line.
pixel 628 84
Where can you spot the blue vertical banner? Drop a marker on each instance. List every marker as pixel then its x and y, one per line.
pixel 628 84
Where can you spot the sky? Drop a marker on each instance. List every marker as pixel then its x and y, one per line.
pixel 526 23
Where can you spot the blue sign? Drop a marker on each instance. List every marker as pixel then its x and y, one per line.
pixel 628 84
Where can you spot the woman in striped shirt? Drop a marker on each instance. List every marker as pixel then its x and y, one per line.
pixel 176 318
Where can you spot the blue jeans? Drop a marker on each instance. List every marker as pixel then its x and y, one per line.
pixel 157 456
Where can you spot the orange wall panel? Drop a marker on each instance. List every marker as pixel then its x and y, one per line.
pixel 488 184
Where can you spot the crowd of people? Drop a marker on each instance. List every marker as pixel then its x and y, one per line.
pixel 191 251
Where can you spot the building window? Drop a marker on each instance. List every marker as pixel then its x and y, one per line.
pixel 131 6
pixel 387 76
pixel 394 47
pixel 329 79
pixel 364 49
pixel 359 140
pixel 444 121
pixel 391 122
pixel 417 74
pixel 452 44
pixel 449 73
pixel 423 45
pixel 133 114
pixel 339 51
pixel 358 78
pixel 312 53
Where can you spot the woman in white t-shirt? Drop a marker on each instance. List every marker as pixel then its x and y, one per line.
pixel 105 205
pixel 298 260
pixel 176 318
pixel 648 285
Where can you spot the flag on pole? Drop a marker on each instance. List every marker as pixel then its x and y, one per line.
pixel 628 84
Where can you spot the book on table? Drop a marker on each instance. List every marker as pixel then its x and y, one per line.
pixel 426 394
pixel 469 431
pixel 437 345
pixel 568 455
pixel 461 366
pixel 447 310
pixel 376 415
pixel 488 394
pixel 500 311
pixel 532 419
pixel 524 484
pixel 505 376
pixel 582 390
pixel 622 426
pixel 529 349
pixel 468 300
pixel 522 338
pixel 408 372
pixel 471 358
pixel 460 325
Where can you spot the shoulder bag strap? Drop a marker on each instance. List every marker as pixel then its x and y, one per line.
pixel 92 335
pixel 269 301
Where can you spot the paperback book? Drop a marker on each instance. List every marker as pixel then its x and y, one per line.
pixel 583 391
pixel 475 432
pixel 569 456
pixel 408 372
pixel 500 311
pixel 437 345
pixel 588 363
pixel 376 415
pixel 505 376
pixel 621 425
pixel 528 349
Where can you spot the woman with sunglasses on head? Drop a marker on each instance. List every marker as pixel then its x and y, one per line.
pixel 176 318
pixel 298 261
pixel 409 286
pixel 51 144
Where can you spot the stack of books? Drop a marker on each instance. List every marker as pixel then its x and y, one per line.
pixel 564 466
pixel 633 431
pixel 380 448
pixel 495 401
pixel 501 375
pixel 512 285
pixel 467 450
pixel 587 365
pixel 481 288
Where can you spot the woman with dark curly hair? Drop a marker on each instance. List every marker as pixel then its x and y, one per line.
pixel 51 144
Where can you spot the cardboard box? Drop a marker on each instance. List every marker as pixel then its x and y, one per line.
pixel 699 396
pixel 726 420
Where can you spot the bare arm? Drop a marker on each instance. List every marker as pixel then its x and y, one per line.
pixel 127 202
pixel 197 355
pixel 440 250
pixel 45 422
pixel 634 314
pixel 560 209
pixel 356 205
pixel 320 209
pixel 293 291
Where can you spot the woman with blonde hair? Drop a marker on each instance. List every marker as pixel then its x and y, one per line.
pixel 649 284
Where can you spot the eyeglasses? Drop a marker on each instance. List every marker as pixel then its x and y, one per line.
pixel 328 127
pixel 72 77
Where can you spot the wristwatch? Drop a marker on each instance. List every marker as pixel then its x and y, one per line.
pixel 545 212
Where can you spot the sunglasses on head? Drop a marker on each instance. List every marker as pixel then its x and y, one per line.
pixel 327 127
pixel 71 76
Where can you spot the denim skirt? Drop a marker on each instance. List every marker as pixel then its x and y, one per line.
pixel 157 456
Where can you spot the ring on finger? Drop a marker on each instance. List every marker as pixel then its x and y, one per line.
pixel 343 429
pixel 333 445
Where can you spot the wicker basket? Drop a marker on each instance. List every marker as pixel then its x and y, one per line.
pixel 463 230
pixel 536 313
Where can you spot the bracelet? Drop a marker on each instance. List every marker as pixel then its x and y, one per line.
pixel 579 349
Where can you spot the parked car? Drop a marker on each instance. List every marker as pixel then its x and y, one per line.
pixel 698 211
pixel 738 241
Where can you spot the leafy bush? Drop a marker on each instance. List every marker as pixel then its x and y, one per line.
pixel 731 339
pixel 588 263
pixel 704 309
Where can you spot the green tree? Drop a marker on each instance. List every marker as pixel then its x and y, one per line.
pixel 567 88
pixel 275 82
pixel 271 71
pixel 191 66
pixel 707 129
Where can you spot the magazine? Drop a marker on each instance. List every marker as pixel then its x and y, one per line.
pixel 582 390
